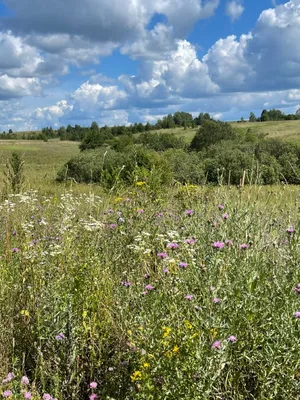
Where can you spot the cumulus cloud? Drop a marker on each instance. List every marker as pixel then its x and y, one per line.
pixel 11 87
pixel 234 9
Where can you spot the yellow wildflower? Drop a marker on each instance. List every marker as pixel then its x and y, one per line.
pixel 188 325
pixel 167 331
pixel 168 354
pixel 118 199
pixel 176 349
pixel 129 332
pixel 136 376
pixel 140 183
pixel 146 365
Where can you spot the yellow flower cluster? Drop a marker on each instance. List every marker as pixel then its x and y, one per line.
pixel 136 376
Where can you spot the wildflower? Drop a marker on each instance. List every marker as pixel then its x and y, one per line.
pixel 218 245
pixel 146 365
pixel 225 216
pixel 189 212
pixel 228 242
pixel 217 345
pixel 166 271
pixel 244 246
pixel 221 206
pixel 24 380
pixel 60 336
pixel 216 300
pixel 47 396
pixel 160 215
pixel 232 339
pixel 7 393
pixel 147 276
pixel 190 241
pixel 27 395
pixel 121 220
pixel 183 265
pixel 93 396
pixel 112 226
pixel 189 297
pixel 15 250
pixel 290 231
pixel 296 289
pixel 173 245
pixel 140 183
pixel 162 255
pixel 149 288
pixel 140 211
pixel 93 385
pixel 125 283
pixel 176 349
pixel 110 211
pixel 167 331
pixel 136 376
pixel 297 314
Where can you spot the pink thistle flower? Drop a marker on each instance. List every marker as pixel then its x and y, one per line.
pixel 27 395
pixel 225 216
pixel 189 212
pixel 228 242
pixel 217 345
pixel 296 289
pixel 140 211
pixel 232 339
pixel 172 245
pixel 183 265
pixel 112 226
pixel 290 231
pixel 162 255
pixel 149 288
pixel 190 241
pixel 126 283
pixel 7 393
pixel 221 206
pixel 297 314
pixel 216 300
pixel 218 245
pixel 244 246
pixel 93 396
pixel 93 385
pixel 15 250
pixel 189 297
pixel 47 396
pixel 25 380
pixel 166 271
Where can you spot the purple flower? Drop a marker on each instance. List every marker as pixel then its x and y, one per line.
pixel 216 300
pixel 149 288
pixel 228 242
pixel 126 283
pixel 60 336
pixel 225 216
pixel 113 226
pixel 244 246
pixel 27 395
pixel 172 245
pixel 232 339
pixel 296 289
pixel 217 345
pixel 221 207
pixel 297 314
pixel 218 245
pixel 160 215
pixel 7 393
pixel 166 271
pixel 190 241
pixel 47 396
pixel 189 297
pixel 189 212
pixel 93 385
pixel 93 396
pixel 110 211
pixel 14 233
pixel 24 380
pixel 140 211
pixel 147 276
pixel 15 250
pixel 162 255
pixel 290 231
pixel 183 265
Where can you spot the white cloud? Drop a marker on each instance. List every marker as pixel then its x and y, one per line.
pixel 234 9
pixel 11 87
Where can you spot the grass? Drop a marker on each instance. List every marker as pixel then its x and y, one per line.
pixel 42 159
pixel 287 130
pixel 86 295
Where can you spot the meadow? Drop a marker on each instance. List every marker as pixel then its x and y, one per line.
pixel 181 293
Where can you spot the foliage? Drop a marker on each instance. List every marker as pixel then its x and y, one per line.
pixel 161 141
pixel 14 174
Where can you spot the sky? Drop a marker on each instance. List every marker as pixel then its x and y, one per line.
pixel 116 63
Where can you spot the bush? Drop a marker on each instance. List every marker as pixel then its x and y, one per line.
pixel 212 132
pixel 161 141
pixel 186 168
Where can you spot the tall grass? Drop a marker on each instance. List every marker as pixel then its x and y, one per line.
pixel 141 294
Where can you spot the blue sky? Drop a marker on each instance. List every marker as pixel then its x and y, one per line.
pixel 78 61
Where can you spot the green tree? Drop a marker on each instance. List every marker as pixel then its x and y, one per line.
pixel 212 132
pixel 252 117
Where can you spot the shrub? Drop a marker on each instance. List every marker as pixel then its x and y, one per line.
pixel 212 132
pixel 186 168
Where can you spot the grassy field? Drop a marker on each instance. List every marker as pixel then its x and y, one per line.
pixel 42 159
pixel 287 130
pixel 127 296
